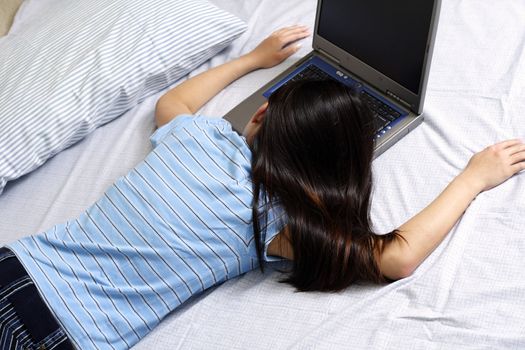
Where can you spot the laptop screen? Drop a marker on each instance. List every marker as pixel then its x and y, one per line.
pixel 389 36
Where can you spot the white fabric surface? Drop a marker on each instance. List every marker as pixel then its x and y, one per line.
pixel 469 294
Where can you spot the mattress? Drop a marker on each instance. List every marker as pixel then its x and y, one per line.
pixel 469 293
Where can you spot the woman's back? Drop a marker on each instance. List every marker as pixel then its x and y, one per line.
pixel 177 224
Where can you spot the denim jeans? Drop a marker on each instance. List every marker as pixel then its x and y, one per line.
pixel 25 320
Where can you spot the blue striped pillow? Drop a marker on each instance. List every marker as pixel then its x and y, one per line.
pixel 85 62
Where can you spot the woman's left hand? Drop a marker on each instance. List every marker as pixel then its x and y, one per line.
pixel 278 46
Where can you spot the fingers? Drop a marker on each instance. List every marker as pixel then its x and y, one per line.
pixel 290 34
pixel 299 30
pixel 290 38
pixel 516 152
pixel 278 46
pixel 507 143
pixel 517 167
pixel 288 30
pixel 290 50
pixel 517 157
pixel 515 148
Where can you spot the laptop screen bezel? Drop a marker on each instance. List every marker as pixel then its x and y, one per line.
pixel 372 76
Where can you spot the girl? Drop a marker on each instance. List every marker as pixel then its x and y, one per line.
pixel 207 205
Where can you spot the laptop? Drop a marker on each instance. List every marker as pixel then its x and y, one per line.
pixel 381 48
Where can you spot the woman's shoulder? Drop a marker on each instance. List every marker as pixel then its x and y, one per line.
pixel 205 142
pixel 186 125
pixel 216 135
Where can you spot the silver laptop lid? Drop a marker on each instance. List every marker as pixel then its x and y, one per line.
pixel 388 44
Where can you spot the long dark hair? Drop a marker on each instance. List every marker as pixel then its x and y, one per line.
pixel 312 155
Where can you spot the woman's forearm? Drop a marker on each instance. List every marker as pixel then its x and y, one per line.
pixel 192 94
pixel 425 231
pixel 420 235
pixel 195 92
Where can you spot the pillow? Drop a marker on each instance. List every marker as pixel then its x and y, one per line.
pixel 8 10
pixel 83 63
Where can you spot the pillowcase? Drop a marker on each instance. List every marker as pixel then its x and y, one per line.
pixel 83 63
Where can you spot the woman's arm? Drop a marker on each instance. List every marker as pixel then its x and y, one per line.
pixel 423 233
pixel 192 94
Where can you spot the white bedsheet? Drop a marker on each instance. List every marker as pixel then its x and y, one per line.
pixel 469 294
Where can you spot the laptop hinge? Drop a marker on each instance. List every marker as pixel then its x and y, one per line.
pixel 334 59
pixel 398 99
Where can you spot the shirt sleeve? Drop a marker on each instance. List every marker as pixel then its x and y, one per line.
pixel 276 223
pixel 177 122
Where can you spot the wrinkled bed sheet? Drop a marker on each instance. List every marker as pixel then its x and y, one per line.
pixel 469 294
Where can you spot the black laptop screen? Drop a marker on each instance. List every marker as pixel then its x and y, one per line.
pixel 390 36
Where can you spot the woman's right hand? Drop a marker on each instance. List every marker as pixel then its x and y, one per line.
pixel 495 164
pixel 278 46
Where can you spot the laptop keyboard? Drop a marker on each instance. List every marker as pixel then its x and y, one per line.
pixel 383 113
pixel 310 72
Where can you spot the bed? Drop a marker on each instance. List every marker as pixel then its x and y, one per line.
pixel 469 294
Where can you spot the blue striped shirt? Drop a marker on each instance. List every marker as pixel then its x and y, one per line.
pixel 175 225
